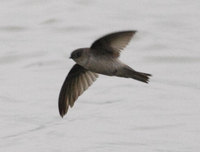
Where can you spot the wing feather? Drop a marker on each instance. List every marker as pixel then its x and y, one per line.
pixel 76 82
pixel 112 43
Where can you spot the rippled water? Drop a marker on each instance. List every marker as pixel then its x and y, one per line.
pixel 114 114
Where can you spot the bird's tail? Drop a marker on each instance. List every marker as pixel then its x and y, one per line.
pixel 128 72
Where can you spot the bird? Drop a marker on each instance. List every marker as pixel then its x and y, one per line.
pixel 101 58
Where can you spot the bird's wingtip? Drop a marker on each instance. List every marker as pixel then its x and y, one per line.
pixel 62 113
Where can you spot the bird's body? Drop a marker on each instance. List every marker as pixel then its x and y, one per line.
pixel 100 58
pixel 101 64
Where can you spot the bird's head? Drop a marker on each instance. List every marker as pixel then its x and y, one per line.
pixel 76 54
pixel 79 56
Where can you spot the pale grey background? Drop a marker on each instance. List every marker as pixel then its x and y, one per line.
pixel 115 114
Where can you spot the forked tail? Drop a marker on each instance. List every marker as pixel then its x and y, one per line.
pixel 128 72
pixel 144 77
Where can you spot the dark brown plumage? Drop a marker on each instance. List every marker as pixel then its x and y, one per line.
pixel 100 58
pixel 112 43
pixel 77 81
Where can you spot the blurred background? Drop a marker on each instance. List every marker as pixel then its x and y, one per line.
pixel 114 114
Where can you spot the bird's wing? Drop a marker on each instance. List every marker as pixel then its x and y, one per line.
pixel 76 82
pixel 112 43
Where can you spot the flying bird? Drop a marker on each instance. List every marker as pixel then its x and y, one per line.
pixel 101 58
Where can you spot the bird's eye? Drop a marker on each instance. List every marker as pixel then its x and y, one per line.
pixel 78 54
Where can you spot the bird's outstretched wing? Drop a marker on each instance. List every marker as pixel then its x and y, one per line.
pixel 76 82
pixel 112 43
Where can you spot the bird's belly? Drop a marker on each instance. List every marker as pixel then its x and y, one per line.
pixel 106 67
